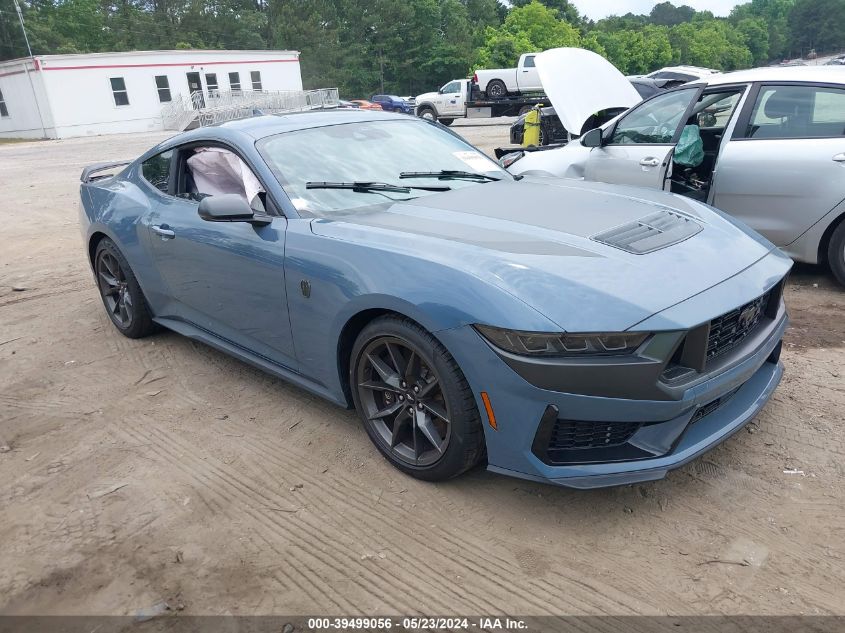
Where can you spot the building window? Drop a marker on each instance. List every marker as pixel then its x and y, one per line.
pixel 4 111
pixel 211 84
pixel 163 86
pixel 118 89
pixel 235 82
pixel 256 80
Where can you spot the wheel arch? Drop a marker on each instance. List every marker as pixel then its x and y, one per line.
pixel 349 334
pixel 824 242
pixel 93 242
pixel 425 105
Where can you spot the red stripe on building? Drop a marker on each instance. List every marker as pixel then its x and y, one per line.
pixel 255 61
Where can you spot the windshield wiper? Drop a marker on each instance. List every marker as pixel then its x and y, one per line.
pixel 447 174
pixel 367 187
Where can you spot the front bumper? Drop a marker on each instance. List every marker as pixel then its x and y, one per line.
pixel 669 431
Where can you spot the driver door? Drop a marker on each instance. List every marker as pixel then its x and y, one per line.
pixel 451 100
pixel 226 278
pixel 639 150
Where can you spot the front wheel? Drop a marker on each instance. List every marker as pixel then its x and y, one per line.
pixel 414 401
pixel 427 113
pixel 836 253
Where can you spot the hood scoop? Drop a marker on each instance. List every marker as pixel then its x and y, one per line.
pixel 650 233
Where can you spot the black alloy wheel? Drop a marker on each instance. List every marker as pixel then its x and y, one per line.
pixel 122 296
pixel 414 401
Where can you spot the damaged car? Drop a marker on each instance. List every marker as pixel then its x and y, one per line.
pixel 581 334
pixel 765 145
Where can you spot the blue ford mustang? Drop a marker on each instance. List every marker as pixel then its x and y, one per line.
pixel 576 333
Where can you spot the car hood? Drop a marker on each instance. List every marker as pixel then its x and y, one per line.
pixel 426 96
pixel 580 83
pixel 534 239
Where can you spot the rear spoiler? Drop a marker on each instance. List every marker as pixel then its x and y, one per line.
pixel 95 171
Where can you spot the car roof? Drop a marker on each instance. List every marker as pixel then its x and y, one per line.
pixel 817 74
pixel 262 126
pixel 690 70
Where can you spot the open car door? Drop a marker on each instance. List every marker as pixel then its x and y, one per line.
pixel 638 148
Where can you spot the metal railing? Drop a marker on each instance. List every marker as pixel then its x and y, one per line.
pixel 220 106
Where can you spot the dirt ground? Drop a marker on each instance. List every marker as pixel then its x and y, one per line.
pixel 135 472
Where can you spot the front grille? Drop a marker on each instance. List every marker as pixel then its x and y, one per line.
pixel 577 434
pixel 730 329
pixel 710 407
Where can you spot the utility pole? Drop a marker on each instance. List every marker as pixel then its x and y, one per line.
pixel 26 69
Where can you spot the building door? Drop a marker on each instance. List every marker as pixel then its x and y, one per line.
pixel 195 90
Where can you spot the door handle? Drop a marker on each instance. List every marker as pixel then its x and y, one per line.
pixel 649 161
pixel 839 158
pixel 163 231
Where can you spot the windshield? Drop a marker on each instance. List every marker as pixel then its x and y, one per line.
pixel 371 151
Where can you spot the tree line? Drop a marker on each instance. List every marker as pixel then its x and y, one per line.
pixel 412 46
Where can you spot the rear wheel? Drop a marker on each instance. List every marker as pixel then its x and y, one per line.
pixel 496 89
pixel 427 113
pixel 122 296
pixel 836 252
pixel 414 401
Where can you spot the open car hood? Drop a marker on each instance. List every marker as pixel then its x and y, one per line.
pixel 580 83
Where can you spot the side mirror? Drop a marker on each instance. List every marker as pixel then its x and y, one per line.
pixel 229 207
pixel 593 138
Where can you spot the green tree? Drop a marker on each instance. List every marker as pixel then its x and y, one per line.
pixel 667 14
pixel 817 24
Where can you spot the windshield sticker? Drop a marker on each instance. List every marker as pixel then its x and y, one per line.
pixel 475 160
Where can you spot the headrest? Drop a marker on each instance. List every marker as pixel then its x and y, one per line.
pixel 782 103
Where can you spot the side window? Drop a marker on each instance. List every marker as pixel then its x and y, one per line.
pixel 163 87
pixel 214 171
pixel 529 62
pixel 655 121
pixel 255 76
pixel 234 82
pixel 451 87
pixel 714 109
pixel 118 89
pixel 156 170
pixel 211 83
pixel 4 111
pixel 797 112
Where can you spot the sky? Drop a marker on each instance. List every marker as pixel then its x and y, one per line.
pixel 597 9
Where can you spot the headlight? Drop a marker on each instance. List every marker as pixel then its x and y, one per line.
pixel 552 344
pixel 509 159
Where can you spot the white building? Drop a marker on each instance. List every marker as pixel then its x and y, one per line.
pixel 58 96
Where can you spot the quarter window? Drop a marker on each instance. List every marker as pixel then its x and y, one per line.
pixel 256 79
pixel 797 112
pixel 163 87
pixel 211 83
pixel 4 111
pixel 118 89
pixel 156 170
pixel 234 82
pixel 655 121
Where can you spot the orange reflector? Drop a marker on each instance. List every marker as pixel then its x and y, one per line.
pixel 491 417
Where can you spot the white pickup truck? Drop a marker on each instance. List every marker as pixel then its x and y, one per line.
pixel 460 98
pixel 501 82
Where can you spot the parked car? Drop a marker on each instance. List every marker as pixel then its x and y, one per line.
pixel 764 145
pixel 468 315
pixel 347 104
pixel 682 74
pixel 366 105
pixel 836 61
pixel 552 130
pixel 392 103
pixel 501 82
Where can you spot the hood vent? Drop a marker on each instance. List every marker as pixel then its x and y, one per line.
pixel 650 233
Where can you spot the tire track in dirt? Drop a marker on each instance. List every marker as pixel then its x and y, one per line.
pixel 479 561
pixel 315 527
pixel 210 475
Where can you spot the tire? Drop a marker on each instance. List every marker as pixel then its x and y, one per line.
pixel 436 391
pixel 446 122
pixel 524 110
pixel 427 113
pixel 122 297
pixel 836 252
pixel 496 89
